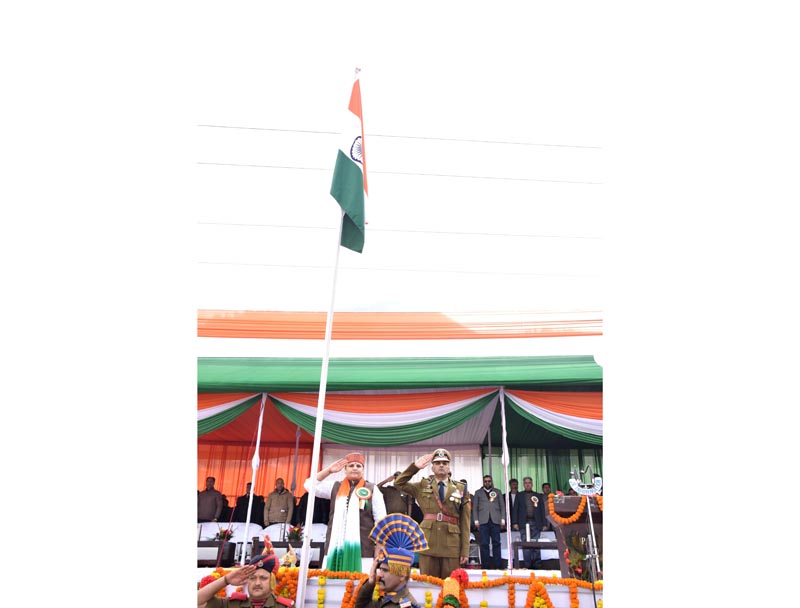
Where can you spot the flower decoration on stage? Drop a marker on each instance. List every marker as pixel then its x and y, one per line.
pixel 217 574
pixel 290 557
pixel 461 576
pixel 295 534
pixel 451 592
pixel 224 534
pixel 575 555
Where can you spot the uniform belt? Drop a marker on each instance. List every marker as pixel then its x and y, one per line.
pixel 441 517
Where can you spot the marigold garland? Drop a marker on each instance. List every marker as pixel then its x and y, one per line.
pixel 537 596
pixel 574 602
pixel 347 598
pixel 568 520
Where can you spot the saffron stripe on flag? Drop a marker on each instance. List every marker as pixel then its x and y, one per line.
pixel 349 185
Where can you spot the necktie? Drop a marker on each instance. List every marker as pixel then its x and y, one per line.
pixel 441 491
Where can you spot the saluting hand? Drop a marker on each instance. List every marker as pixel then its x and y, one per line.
pixel 423 461
pixel 338 465
pixel 238 576
pixel 374 566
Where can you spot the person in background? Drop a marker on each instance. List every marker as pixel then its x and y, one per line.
pixel 279 506
pixel 446 512
pixel 531 518
pixel 513 486
pixel 355 508
pixel 242 502
pixel 489 515
pixel 399 502
pixel 322 510
pixel 546 491
pixel 209 502
pixel 396 501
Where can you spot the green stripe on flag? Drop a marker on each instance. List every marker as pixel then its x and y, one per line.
pixel 348 190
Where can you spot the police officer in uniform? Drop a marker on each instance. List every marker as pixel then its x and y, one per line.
pixel 446 513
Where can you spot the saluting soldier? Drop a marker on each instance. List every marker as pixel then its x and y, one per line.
pixel 447 513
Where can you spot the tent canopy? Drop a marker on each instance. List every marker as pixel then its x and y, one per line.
pixel 550 401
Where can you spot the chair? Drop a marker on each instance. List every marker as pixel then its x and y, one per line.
pixel 209 552
pixel 319 532
pixel 277 532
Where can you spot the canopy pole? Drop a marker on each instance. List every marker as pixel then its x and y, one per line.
pixel 255 464
pixel 489 437
pixel 296 450
pixel 305 555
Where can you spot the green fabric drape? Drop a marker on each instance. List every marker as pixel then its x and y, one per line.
pixel 212 423
pixel 576 435
pixel 542 465
pixel 390 436
pixel 241 374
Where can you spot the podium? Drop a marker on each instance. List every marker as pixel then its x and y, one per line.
pixel 565 507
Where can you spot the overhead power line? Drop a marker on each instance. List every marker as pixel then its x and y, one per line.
pixel 416 137
pixel 404 231
pixel 490 177
pixel 423 270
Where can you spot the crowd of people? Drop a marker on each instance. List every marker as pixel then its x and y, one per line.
pixel 354 508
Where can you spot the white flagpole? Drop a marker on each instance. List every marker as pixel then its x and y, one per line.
pixel 255 463
pixel 305 554
pixel 504 459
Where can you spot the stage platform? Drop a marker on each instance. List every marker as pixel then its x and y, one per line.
pixel 492 588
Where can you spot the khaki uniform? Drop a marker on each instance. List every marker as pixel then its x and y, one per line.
pixel 448 534
pixel 271 602
pixel 402 598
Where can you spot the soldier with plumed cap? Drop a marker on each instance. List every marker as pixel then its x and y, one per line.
pixel 258 574
pixel 398 537
pixel 447 513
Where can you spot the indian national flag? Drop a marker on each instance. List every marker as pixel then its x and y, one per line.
pixel 349 186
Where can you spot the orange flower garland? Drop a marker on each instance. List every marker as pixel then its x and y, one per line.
pixel 347 598
pixel 574 602
pixel 537 596
pixel 569 520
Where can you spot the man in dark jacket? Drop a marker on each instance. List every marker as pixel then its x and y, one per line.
pixel 256 513
pixel 530 518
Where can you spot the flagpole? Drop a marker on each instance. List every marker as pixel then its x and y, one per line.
pixel 254 463
pixel 305 554
pixel 504 460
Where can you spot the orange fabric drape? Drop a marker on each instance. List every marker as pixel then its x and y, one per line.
pixel 231 465
pixel 578 404
pixel 394 325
